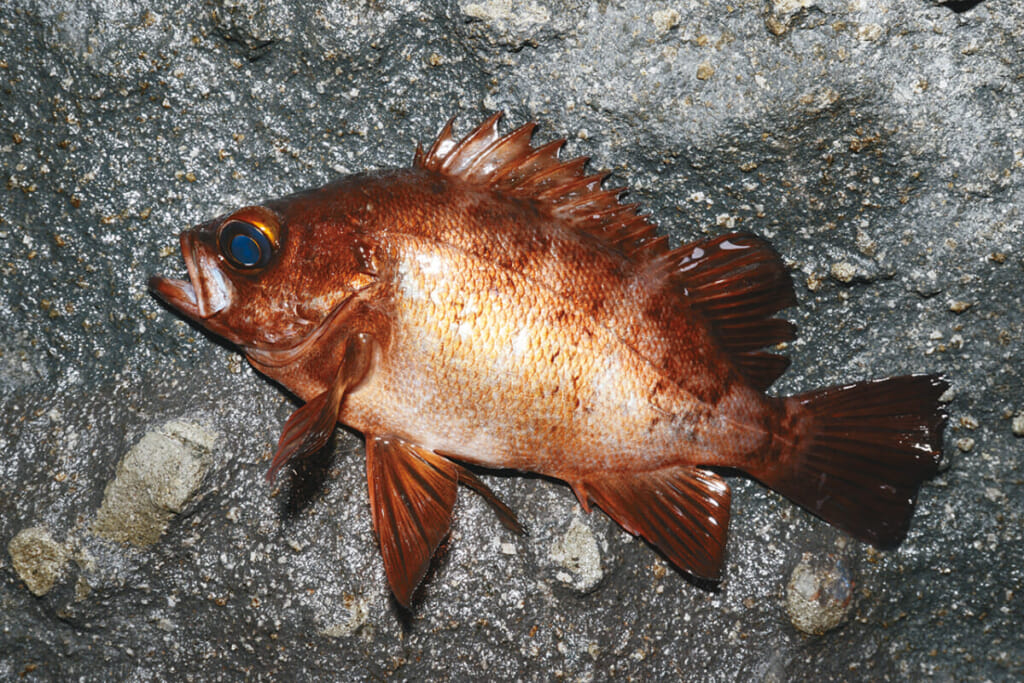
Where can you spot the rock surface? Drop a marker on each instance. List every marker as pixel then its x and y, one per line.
pixel 879 146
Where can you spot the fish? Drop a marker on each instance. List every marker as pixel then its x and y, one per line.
pixel 495 306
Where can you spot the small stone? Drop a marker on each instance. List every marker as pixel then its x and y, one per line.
pixel 959 306
pixel 37 558
pixel 1018 424
pixel 577 552
pixel 782 13
pixel 358 613
pixel 819 594
pixel 665 20
pixel 965 444
pixel 705 71
pixel 843 271
pixel 994 495
pixel 153 482
pixel 865 244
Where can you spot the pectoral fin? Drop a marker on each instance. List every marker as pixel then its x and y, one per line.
pixel 309 428
pixel 412 493
pixel 683 511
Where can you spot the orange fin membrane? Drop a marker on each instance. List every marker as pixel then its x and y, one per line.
pixel 738 283
pixel 412 493
pixel 683 511
pixel 862 454
pixel 512 166
pixel 310 427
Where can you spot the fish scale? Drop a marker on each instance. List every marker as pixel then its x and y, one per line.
pixel 462 372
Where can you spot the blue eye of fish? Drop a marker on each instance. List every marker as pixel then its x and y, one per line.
pixel 245 245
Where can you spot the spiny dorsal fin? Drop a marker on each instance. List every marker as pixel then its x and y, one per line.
pixel 510 165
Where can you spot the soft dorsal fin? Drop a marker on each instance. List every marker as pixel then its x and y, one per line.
pixel 737 282
pixel 509 164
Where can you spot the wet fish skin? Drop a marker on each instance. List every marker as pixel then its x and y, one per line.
pixel 497 306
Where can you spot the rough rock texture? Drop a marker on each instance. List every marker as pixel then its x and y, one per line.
pixel 819 594
pixel 153 483
pixel 37 559
pixel 879 145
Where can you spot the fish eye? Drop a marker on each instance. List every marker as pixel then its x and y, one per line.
pixel 245 245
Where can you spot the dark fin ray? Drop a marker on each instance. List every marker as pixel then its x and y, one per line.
pixel 683 511
pixel 511 165
pixel 310 427
pixel 412 493
pixel 737 282
pixel 860 452
pixel 505 514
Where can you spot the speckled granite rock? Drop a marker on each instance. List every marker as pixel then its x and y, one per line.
pixel 879 145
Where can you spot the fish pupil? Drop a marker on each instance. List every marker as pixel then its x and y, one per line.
pixel 245 244
pixel 245 250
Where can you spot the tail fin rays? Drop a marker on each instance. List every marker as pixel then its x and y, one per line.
pixel 860 453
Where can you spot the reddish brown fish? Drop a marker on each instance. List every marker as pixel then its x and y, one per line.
pixel 494 305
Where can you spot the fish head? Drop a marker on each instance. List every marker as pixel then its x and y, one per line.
pixel 269 278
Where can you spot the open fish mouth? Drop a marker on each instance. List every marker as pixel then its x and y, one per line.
pixel 205 293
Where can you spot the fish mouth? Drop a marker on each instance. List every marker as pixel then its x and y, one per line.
pixel 204 294
pixel 178 294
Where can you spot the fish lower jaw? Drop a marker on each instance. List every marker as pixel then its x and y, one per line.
pixel 178 294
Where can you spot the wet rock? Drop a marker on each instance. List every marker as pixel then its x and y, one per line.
pixel 516 23
pixel 819 594
pixel 37 558
pixel 153 483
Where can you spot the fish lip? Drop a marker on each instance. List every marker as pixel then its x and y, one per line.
pixel 178 294
pixel 204 294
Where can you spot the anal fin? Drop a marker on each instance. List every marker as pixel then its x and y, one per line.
pixel 412 493
pixel 683 511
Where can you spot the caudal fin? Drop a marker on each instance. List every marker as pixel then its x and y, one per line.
pixel 857 454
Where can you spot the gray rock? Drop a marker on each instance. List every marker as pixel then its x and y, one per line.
pixel 578 555
pixel 884 137
pixel 819 594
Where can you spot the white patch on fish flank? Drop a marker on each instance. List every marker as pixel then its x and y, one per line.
pixel 521 342
pixel 430 264
pixel 409 282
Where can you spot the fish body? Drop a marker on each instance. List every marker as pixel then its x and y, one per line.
pixel 494 305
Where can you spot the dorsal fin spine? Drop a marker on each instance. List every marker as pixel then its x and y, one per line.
pixel 472 148
pixel 511 165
